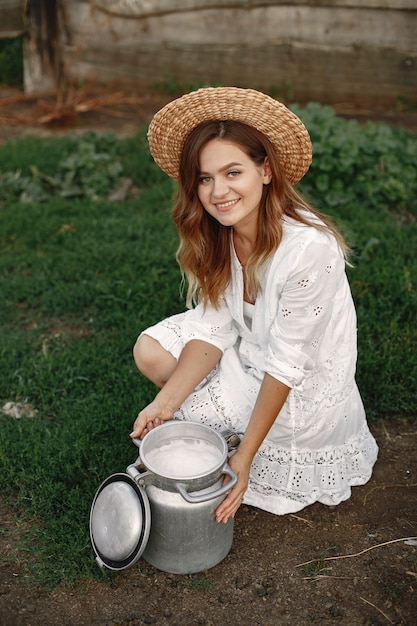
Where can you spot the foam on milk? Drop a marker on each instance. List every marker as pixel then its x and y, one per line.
pixel 182 458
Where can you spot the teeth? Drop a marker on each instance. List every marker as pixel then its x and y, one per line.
pixel 226 204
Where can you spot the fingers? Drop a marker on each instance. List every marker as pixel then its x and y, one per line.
pixel 138 428
pixel 230 505
pixel 228 508
pixel 153 415
pixel 150 426
pixel 142 426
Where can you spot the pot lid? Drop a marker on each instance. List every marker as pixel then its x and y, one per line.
pixel 120 522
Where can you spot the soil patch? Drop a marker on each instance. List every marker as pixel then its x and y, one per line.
pixel 355 564
pixel 81 110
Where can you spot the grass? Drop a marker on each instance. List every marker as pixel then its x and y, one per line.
pixel 82 276
pixel 318 565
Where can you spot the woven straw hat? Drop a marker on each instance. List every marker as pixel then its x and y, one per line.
pixel 170 127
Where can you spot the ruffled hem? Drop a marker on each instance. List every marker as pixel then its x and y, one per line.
pixel 283 504
pixel 286 482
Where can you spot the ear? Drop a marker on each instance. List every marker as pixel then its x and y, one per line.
pixel 266 173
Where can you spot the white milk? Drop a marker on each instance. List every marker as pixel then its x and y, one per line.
pixel 184 458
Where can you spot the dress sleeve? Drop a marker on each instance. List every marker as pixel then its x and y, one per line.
pixel 307 309
pixel 215 326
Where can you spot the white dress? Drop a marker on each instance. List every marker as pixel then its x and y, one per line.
pixel 302 331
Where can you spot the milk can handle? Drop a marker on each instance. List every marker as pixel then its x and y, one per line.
pixel 212 494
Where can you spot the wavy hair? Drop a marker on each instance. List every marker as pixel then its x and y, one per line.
pixel 204 252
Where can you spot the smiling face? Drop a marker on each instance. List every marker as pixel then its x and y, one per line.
pixel 230 184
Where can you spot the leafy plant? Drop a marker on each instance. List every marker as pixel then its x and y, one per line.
pixel 11 61
pixel 91 169
pixel 373 165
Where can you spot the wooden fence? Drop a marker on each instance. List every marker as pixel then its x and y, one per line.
pixel 362 52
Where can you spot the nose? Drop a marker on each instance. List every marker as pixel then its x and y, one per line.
pixel 220 187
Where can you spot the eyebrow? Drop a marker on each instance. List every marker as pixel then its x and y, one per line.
pixel 226 167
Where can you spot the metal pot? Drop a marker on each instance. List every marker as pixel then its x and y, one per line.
pixel 167 519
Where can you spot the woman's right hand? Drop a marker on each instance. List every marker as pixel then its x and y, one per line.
pixel 196 361
pixel 151 416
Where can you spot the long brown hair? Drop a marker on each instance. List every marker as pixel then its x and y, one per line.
pixel 204 252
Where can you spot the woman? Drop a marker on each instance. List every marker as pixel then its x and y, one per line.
pixel 269 350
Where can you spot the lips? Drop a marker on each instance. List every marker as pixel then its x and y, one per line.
pixel 223 206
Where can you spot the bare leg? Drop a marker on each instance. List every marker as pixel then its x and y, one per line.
pixel 153 360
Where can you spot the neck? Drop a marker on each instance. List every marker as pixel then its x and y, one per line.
pixel 243 248
pixel 244 241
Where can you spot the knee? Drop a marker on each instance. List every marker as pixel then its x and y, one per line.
pixel 152 360
pixel 143 354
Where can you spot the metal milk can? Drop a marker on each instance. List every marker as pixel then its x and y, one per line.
pixel 163 507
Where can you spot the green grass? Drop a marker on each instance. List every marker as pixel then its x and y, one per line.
pixel 318 564
pixel 82 276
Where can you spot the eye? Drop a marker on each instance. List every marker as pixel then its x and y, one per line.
pixel 203 180
pixel 233 173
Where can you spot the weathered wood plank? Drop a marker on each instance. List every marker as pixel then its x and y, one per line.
pixel 41 46
pixel 147 8
pixel 327 51
pixel 279 24
pixel 364 77
pixel 11 18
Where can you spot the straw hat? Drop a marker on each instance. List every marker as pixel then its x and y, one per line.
pixel 170 127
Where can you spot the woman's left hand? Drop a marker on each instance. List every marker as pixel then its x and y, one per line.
pixel 227 509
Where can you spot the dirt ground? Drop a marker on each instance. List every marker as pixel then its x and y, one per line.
pixel 84 109
pixel 355 564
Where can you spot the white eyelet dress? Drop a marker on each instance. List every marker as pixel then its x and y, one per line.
pixel 302 331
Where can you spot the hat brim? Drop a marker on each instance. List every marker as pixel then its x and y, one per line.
pixel 171 126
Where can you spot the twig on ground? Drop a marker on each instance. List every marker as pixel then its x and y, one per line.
pixel 68 105
pixel 387 435
pixel 76 102
pixel 23 97
pixel 387 487
pixel 349 556
pixel 14 119
pixel 320 576
pixel 302 519
pixel 377 609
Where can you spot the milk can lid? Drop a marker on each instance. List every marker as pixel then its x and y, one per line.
pixel 120 522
